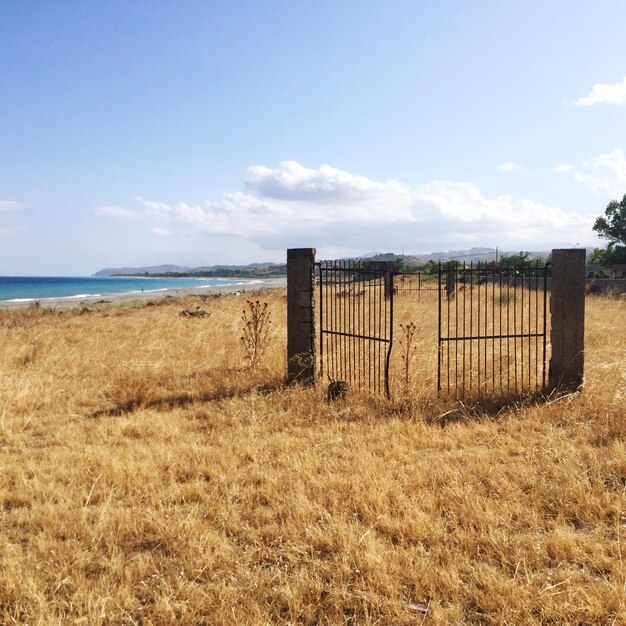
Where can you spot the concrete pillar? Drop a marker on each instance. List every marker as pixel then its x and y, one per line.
pixel 567 306
pixel 300 315
pixel 389 282
pixel 450 282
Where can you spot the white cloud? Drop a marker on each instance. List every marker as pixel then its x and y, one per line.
pixel 115 212
pixel 292 197
pixel 10 205
pixel 562 168
pixel 509 167
pixel 160 232
pixel 292 181
pixel 604 174
pixel 291 206
pixel 606 94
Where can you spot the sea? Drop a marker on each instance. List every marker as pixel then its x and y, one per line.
pixel 32 288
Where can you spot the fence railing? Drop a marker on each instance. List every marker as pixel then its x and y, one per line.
pixel 355 302
pixel 493 324
pixel 492 329
pixel 417 285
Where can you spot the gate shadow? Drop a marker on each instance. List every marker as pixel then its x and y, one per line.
pixel 181 400
pixel 493 408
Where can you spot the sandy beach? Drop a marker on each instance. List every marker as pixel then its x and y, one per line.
pixel 58 303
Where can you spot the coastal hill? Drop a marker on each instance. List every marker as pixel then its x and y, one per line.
pixel 253 270
pixel 473 254
pixel 268 270
pixel 130 271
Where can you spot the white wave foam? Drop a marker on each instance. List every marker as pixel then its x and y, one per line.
pixel 125 293
pixel 78 295
pixel 230 284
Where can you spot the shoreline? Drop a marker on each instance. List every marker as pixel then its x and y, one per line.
pixel 116 298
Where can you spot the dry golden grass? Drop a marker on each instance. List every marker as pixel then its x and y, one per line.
pixel 148 477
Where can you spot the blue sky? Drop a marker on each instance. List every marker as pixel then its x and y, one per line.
pixel 137 133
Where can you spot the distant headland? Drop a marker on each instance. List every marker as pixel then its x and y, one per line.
pixel 273 270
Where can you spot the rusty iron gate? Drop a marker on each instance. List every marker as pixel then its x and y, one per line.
pixel 355 302
pixel 492 329
pixel 418 285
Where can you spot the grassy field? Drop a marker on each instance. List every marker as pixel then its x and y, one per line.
pixel 147 476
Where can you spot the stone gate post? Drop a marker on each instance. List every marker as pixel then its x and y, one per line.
pixel 567 306
pixel 300 315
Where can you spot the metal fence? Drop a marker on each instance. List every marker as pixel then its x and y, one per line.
pixel 492 324
pixel 492 329
pixel 355 302
pixel 417 285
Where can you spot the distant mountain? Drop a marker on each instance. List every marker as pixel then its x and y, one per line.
pixel 253 269
pixel 250 266
pixel 473 254
pixel 131 271
pixel 268 269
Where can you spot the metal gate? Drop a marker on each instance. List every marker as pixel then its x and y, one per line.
pixel 356 322
pixel 492 329
pixel 419 285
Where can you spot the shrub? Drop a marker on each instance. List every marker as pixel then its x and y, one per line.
pixel 256 324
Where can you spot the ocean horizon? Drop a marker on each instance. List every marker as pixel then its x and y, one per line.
pixel 35 288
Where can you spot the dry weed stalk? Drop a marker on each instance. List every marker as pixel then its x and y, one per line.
pixel 256 325
pixel 408 349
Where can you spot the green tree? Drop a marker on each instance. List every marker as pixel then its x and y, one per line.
pixel 400 265
pixel 522 259
pixel 431 268
pixel 612 227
